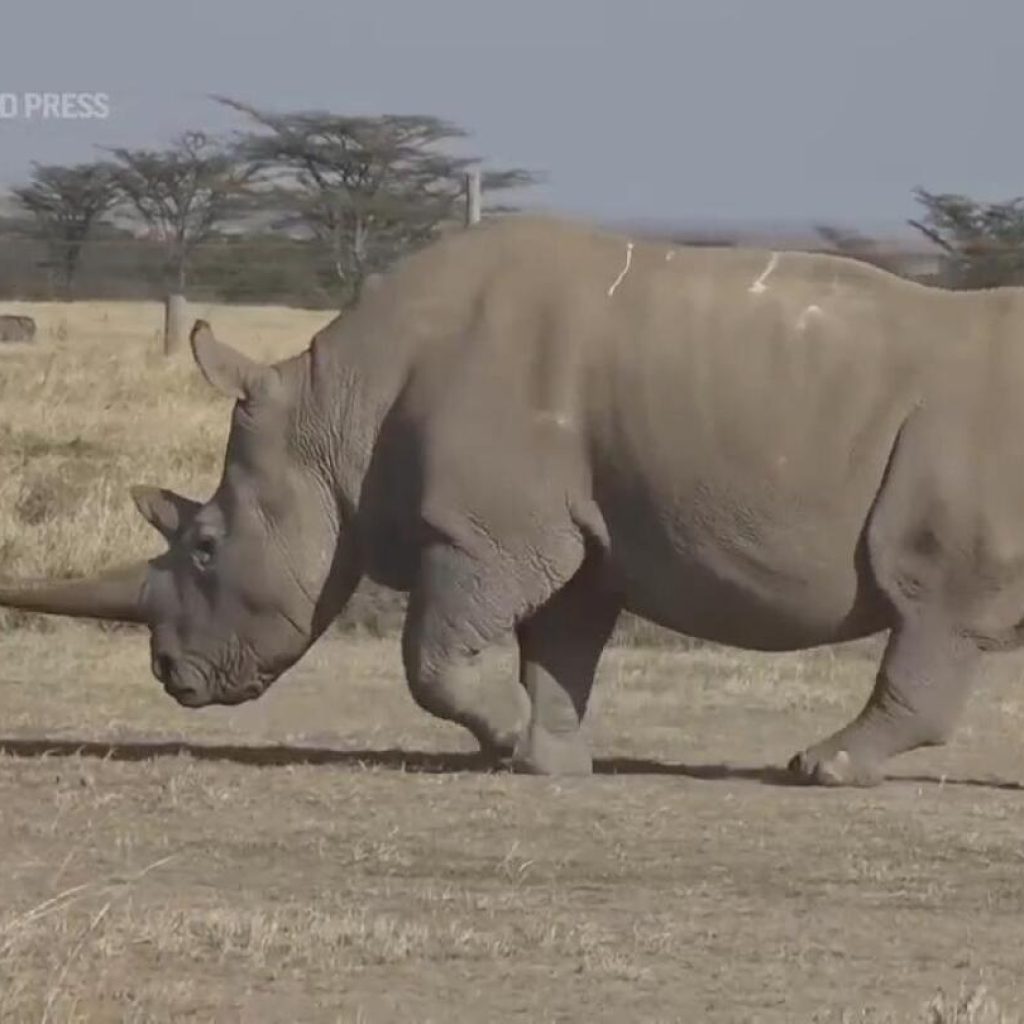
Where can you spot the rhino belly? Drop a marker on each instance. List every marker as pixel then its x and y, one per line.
pixel 775 587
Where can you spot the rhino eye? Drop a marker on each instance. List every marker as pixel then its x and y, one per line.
pixel 203 551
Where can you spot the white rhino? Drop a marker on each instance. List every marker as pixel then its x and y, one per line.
pixel 533 425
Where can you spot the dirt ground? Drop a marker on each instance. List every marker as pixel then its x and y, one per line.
pixel 330 853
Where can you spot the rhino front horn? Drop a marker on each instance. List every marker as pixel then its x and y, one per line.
pixel 114 595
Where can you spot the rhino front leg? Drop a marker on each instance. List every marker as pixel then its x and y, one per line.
pixel 921 688
pixel 559 648
pixel 455 610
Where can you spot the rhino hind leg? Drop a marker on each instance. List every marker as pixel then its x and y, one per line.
pixel 455 610
pixel 559 648
pixel 921 545
pixel 922 686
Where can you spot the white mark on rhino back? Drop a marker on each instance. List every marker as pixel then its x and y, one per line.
pixel 670 255
pixel 759 286
pixel 624 271
pixel 561 420
pixel 807 315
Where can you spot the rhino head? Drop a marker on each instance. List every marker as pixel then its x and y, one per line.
pixel 253 576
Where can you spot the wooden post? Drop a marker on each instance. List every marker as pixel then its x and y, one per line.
pixel 175 314
pixel 473 197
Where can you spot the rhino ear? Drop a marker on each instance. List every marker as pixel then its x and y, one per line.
pixel 166 511
pixel 226 369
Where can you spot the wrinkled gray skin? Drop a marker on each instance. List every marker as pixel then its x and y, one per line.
pixel 533 426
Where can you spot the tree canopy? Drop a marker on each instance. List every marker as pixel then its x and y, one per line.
pixel 367 188
pixel 983 242
pixel 183 193
pixel 66 203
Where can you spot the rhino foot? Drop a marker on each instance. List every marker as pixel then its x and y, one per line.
pixel 497 748
pixel 543 753
pixel 827 768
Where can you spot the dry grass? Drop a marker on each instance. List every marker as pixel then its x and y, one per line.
pixel 330 853
pixel 93 408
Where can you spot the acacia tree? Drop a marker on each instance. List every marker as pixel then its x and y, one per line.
pixel 183 194
pixel 366 188
pixel 849 242
pixel 983 242
pixel 66 203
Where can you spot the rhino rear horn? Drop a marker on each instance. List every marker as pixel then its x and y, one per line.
pixel 115 595
pixel 164 510
pixel 231 373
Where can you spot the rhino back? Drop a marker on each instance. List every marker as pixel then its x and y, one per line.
pixel 744 406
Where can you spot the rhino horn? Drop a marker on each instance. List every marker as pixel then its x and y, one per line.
pixel 115 595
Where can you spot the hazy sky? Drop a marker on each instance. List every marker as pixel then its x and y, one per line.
pixel 690 110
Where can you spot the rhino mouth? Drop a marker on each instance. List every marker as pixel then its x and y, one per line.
pixel 192 697
pixel 192 690
pixel 186 696
pixel 240 694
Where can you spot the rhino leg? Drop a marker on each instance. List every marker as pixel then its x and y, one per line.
pixel 922 685
pixel 498 544
pixel 934 560
pixel 559 647
pixel 456 608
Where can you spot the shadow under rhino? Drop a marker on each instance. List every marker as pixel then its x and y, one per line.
pixel 413 761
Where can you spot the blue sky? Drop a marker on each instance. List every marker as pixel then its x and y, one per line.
pixel 699 111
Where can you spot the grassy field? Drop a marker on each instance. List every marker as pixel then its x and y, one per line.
pixel 331 853
pixel 94 407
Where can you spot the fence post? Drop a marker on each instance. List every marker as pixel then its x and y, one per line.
pixel 473 197
pixel 175 313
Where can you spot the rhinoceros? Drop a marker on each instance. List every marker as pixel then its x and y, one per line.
pixel 536 424
pixel 17 328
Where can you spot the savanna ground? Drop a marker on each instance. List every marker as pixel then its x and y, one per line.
pixel 331 853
